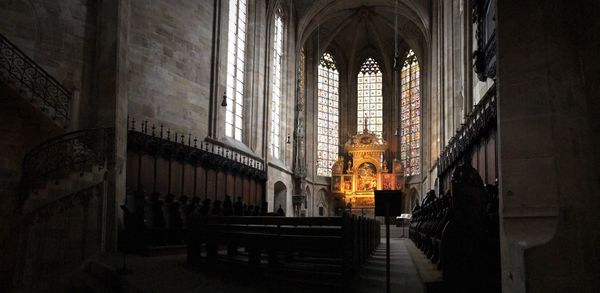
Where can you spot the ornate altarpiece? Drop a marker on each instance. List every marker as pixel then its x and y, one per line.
pixel 365 172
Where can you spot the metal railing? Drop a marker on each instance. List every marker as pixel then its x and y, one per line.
pixel 77 151
pixel 26 77
pixel 56 238
pixel 142 135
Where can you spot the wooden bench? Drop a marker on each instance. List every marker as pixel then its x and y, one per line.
pixel 459 233
pixel 345 242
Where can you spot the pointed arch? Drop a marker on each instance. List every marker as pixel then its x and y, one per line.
pixel 410 142
pixel 370 97
pixel 236 50
pixel 328 115
pixel 279 196
pixel 277 86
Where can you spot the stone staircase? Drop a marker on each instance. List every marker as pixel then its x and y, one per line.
pixel 54 190
pixel 59 213
pixel 33 83
pixel 62 208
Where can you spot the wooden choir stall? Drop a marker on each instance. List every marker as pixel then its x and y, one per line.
pixel 172 177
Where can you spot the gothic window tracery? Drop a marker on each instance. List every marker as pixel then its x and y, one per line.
pixel 411 109
pixel 276 86
pixel 236 47
pixel 328 115
pixel 370 97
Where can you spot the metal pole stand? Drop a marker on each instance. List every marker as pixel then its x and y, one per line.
pixel 387 248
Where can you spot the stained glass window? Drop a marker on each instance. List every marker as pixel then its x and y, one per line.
pixel 328 116
pixel 370 97
pixel 276 87
pixel 236 47
pixel 410 143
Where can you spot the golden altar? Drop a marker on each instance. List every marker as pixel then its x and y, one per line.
pixel 365 172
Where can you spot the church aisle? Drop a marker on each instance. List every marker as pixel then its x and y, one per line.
pixel 170 273
pixel 403 271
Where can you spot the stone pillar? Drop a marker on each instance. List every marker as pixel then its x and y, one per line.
pixel 548 145
pixel 110 106
pixel 299 177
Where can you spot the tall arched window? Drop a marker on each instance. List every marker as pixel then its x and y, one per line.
pixel 236 47
pixel 370 97
pixel 276 86
pixel 411 111
pixel 328 115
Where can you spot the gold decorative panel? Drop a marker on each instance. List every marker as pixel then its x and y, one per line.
pixel 366 172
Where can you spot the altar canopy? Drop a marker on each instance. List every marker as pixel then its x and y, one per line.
pixel 365 172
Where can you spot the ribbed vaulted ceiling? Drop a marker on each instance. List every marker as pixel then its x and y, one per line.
pixel 358 28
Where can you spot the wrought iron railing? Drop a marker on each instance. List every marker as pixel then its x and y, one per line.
pixel 72 152
pixel 46 236
pixel 479 122
pixel 148 138
pixel 28 78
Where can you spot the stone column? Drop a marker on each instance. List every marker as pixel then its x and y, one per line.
pixel 548 145
pixel 299 196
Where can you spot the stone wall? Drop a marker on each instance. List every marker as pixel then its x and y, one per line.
pixel 177 62
pixel 283 176
pixel 169 60
pixel 548 145
pixel 22 127
pixel 59 36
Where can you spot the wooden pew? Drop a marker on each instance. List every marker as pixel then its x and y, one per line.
pixel 459 232
pixel 346 241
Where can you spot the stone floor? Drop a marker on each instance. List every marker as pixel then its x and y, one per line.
pixel 171 274
pixel 404 277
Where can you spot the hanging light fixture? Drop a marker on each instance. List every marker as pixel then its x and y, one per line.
pixel 397 68
pixel 397 65
pixel 224 102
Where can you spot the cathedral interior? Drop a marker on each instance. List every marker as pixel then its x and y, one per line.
pixel 237 145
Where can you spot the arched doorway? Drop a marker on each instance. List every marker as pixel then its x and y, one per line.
pixel 414 199
pixel 308 202
pixel 279 197
pixel 321 204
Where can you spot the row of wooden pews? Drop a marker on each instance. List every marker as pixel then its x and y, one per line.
pixel 428 223
pixel 459 233
pixel 328 246
pixel 156 221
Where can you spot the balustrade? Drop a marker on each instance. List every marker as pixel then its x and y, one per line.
pixel 73 152
pixel 27 78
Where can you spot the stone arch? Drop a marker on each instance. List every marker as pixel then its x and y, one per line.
pixel 308 199
pixel 322 204
pixel 413 199
pixel 279 196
